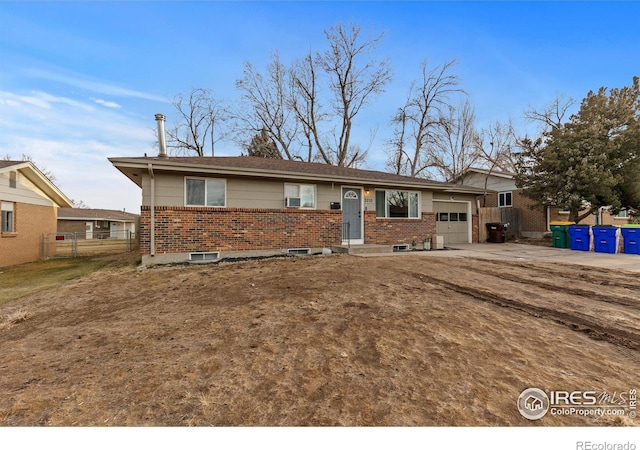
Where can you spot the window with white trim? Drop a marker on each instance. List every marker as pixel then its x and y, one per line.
pixel 622 214
pixel 300 195
pixel 205 191
pixel 397 204
pixel 505 199
pixel 8 217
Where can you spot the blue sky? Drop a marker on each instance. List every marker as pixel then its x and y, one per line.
pixel 81 81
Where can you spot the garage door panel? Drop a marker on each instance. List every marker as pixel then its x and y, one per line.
pixel 452 222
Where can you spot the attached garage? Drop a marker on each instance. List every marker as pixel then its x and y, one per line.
pixel 453 221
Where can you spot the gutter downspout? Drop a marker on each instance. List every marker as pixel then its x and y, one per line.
pixel 152 250
pixel 162 145
pixel 548 227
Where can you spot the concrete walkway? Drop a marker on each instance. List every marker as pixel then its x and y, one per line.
pixel 522 252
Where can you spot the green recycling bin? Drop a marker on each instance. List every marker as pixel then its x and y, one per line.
pixel 560 234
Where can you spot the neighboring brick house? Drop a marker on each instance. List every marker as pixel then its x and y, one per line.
pixel 88 223
pixel 216 207
pixel 534 219
pixel 29 202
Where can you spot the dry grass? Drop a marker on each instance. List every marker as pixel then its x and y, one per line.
pixel 25 279
pixel 319 341
pixel 13 317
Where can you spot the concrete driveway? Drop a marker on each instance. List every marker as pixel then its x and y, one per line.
pixel 522 252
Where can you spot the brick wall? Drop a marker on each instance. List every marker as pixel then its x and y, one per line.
pixel 189 229
pixel 398 231
pixel 25 245
pixel 72 226
pixel 532 219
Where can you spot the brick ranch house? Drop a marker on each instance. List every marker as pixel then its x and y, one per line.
pixel 196 208
pixel 29 202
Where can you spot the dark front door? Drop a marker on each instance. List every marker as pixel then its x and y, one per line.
pixel 351 214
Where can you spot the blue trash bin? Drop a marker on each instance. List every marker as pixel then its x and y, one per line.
pixel 580 237
pixel 631 239
pixel 605 238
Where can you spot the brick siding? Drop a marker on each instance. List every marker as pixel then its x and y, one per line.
pixel 25 244
pixel 189 229
pixel 534 218
pixel 398 231
pixel 72 226
pixel 193 229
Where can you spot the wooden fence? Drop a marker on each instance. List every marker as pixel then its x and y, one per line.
pixel 511 216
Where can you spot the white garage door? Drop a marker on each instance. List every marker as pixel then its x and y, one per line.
pixel 452 222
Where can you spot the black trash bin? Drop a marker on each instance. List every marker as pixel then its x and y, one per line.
pixel 496 233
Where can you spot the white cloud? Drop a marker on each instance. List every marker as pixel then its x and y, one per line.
pixel 38 99
pixel 106 103
pixel 98 86
pixel 73 140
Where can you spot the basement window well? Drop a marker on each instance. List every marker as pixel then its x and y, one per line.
pixel 299 251
pixel 203 257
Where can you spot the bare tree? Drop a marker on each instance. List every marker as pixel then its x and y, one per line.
pixel 553 115
pixel 355 77
pixel 416 123
pixel 313 104
pixel 266 105
pixel 497 147
pixel 198 116
pixel 79 204
pixel 305 102
pixel 454 150
pixel 24 158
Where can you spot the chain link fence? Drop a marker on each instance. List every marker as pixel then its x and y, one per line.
pixel 72 245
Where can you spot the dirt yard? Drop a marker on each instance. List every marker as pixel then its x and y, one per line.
pixel 327 340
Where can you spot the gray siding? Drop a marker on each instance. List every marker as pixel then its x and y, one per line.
pixel 269 194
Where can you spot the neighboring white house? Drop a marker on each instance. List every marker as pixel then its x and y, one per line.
pixel 97 223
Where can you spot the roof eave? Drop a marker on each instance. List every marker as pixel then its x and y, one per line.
pixel 130 163
pixel 108 219
pixel 33 174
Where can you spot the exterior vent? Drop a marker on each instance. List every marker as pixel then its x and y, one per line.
pixel 293 202
pixel 401 248
pixel 200 257
pixel 299 251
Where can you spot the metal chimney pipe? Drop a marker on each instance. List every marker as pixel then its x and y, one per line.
pixel 161 136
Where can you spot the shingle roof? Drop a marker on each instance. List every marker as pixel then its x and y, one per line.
pixel 95 214
pixel 292 166
pixel 4 163
pixel 496 172
pixel 33 174
pixel 265 167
